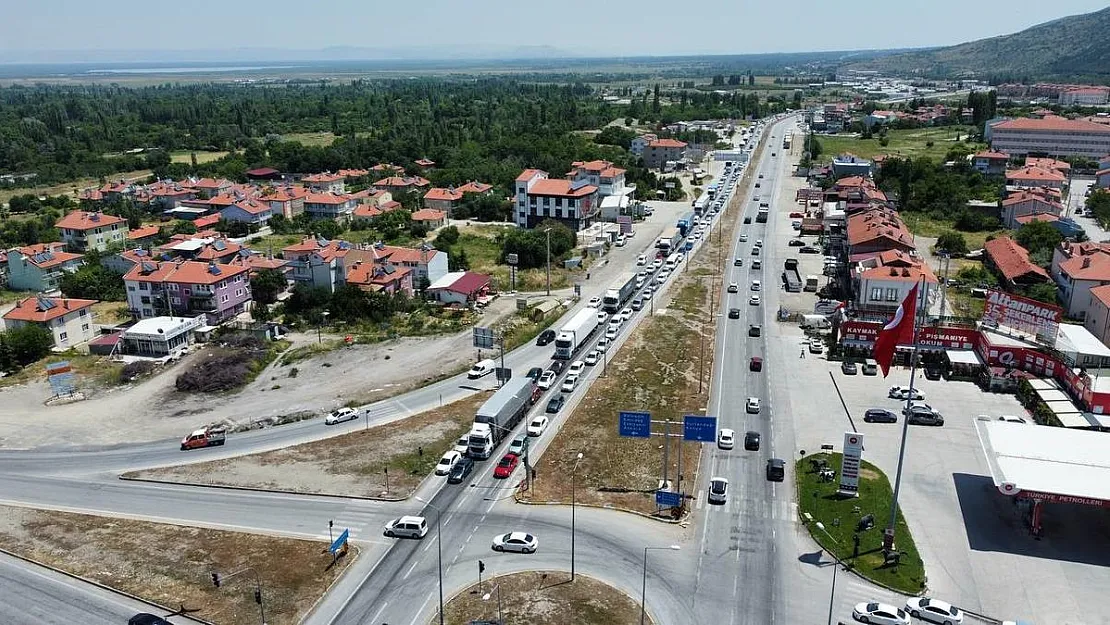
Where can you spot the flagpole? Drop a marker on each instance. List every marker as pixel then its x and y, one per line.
pixel 888 535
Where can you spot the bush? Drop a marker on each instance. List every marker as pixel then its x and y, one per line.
pixel 216 374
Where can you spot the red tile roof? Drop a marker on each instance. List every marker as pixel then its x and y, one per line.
pixel 1048 163
pixel 469 283
pixel 387 167
pixel 208 220
pixel 1035 173
pixel 425 162
pixel 428 214
pixel 1051 124
pixel 1028 219
pixel 475 187
pixel 869 225
pixel 209 183
pixel 1027 196
pixel 391 205
pixel 561 188
pixel 1012 259
pixel 285 194
pixel 528 174
pixel 183 272
pixel 666 143
pixel 366 211
pixel 901 274
pixel 402 182
pixel 354 173
pixel 323 177
pixel 1102 293
pixel 262 171
pixel 994 156
pixel 327 198
pixel 144 232
pixel 31 309
pixel 443 195
pixel 55 250
pixel 1087 267
pixel 371 273
pixel 82 220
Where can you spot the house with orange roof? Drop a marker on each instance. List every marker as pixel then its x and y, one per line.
pixel 326 182
pixel 335 206
pixel 1011 261
pixel 286 200
pixel 882 289
pixel 90 197
pixel 69 321
pixel 317 263
pixel 990 163
pixel 388 168
pixel 440 199
pixel 255 212
pixel 537 198
pixel 218 291
pixel 351 174
pixel 1030 176
pixel 366 212
pixel 380 278
pixel 114 191
pixel 82 230
pixel 430 218
pixel 400 184
pixel 640 143
pixel 1026 203
pixel 607 177
pixel 1052 135
pixel 256 262
pixel 475 187
pixel 143 236
pixel 425 163
pixel 659 152
pixel 426 262
pixel 209 187
pixel 1051 164
pixel 878 230
pixel 206 221
pixel 40 267
pixel 1077 268
pixel 199 246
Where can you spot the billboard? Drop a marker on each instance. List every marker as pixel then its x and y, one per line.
pixel 1022 314
pixel 850 464
pixel 927 337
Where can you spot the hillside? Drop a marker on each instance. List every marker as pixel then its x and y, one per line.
pixel 1069 48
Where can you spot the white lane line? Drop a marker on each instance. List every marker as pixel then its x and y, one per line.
pixel 374 619
pixel 448 520
pixel 420 611
pixel 409 572
pixel 701 500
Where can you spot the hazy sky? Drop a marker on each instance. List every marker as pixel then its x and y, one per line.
pixel 640 27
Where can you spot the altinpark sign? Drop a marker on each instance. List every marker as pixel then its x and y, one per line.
pixel 1023 314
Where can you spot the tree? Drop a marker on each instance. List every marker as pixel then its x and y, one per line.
pixel 1038 237
pixel 1098 202
pixel 266 285
pixel 446 238
pixel 183 227
pixel 1043 292
pixel 94 281
pixel 952 242
pixel 24 345
pixel 458 261
pixel 332 229
pixel 615 135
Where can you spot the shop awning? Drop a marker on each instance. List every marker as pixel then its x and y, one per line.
pixel 963 357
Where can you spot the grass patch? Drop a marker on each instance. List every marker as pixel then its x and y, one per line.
pixel 484 253
pixel 821 501
pixel 925 226
pixel 519 328
pixel 311 139
pixel 110 313
pixel 351 464
pixel 238 360
pixel 544 598
pixel 171 565
pixel 186 156
pixel 274 242
pixel 906 143
pixel 73 187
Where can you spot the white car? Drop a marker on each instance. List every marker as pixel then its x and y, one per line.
pixel 594 302
pixel 626 313
pixel 537 426
pixel 648 292
pixel 462 445
pixel 662 277
pixel 602 345
pixel 754 300
pixel 753 405
pixel 718 490
pixel 592 358
pixel 576 368
pixel 743 238
pixel 880 613
pixel 902 392
pixel 756 285
pixel 569 384
pixel 602 317
pixel 341 415
pixel 759 243
pixel 546 380
pixel 520 542
pixel 656 264
pixel 641 260
pixel 448 462
pixel 733 287
pixel 726 438
pixel 611 332
pixel 934 610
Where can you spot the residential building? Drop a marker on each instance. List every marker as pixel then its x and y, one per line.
pixel 1077 268
pixel 608 178
pixel 445 200
pixel 882 289
pixel 460 288
pixel 354 174
pixel 199 247
pixel 68 320
pixel 326 182
pixel 158 337
pixel 380 278
pixel 878 230
pixel 400 184
pixel 847 164
pixel 879 118
pixel 1084 96
pixel 1051 164
pixel 1035 177
pixel 263 175
pixel 334 206
pixel 189 288
pixel 253 212
pixel 286 200
pixel 425 162
pixel 430 218
pixel 538 197
pixel 40 267
pixel 856 193
pixel 426 262
pixel 478 188
pixel 122 262
pixel 317 263
pixel 659 152
pixel 210 187
pixel 1102 179
pixel 145 235
pixel 82 231
pixel 1025 203
pixel 1055 136
pixel 1011 261
pixel 990 163
pixel 640 143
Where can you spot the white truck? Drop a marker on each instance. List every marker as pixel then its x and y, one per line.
pixel 668 240
pixel 575 333
pixel 616 295
pixel 497 417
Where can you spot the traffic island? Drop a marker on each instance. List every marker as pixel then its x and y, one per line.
pixel 541 598
pixel 844 518
pixel 172 565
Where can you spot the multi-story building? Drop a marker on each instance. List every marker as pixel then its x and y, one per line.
pixel 335 206
pixel 286 200
pixel 377 278
pixel 990 163
pixel 1023 203
pixel 608 178
pixel 640 143
pixel 878 230
pixel 882 288
pixel 425 261
pixel 68 320
pixel 1012 262
pixel 251 211
pixel 327 182
pixel 848 164
pixel 1077 268
pixel 662 151
pixel 40 267
pixel 1032 176
pixel 446 200
pixel 188 288
pixel 317 263
pixel 538 197
pixel 1055 136
pixel 1084 96
pixel 83 231
pixel 326 264
pixel 400 184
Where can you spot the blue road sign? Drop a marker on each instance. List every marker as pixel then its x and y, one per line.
pixel 635 424
pixel 667 499
pixel 338 544
pixel 700 429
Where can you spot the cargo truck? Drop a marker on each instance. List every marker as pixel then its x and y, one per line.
pixel 621 291
pixel 792 279
pixel 575 333
pixel 668 240
pixel 761 216
pixel 498 416
pixel 685 224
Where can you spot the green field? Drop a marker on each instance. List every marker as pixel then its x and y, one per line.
pixel 907 143
pixel 185 156
pixel 315 139
pixel 923 226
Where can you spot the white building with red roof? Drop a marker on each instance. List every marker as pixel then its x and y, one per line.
pixel 1032 176
pixel 430 218
pixel 255 212
pixel 443 199
pixel 400 184
pixel 1026 203
pixel 1052 135
pixel 659 152
pixel 537 198
pixel 68 320
pixel 335 206
pixel 990 162
pixel 326 182
pixel 82 231
pixel 608 178
pixel 460 288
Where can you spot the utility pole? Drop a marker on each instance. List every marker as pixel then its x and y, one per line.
pixel 547 231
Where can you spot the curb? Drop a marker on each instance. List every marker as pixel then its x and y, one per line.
pixel 677 521
pixel 262 490
pixel 99 585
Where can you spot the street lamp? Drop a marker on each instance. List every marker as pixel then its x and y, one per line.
pixel 573 477
pixel 547 231
pixel 323 320
pixel 643 589
pixel 485 597
pixel 836 565
pixel 439 548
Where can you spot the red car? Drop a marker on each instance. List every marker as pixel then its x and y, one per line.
pixel 756 364
pixel 506 467
pixel 796 215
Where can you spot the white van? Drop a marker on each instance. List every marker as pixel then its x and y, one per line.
pixel 815 322
pixel 481 369
pixel 407 527
pixel 870 367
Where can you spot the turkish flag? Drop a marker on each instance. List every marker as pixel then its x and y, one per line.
pixel 898 331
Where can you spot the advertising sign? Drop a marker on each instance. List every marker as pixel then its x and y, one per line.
pixel 1020 313
pixel 929 336
pixel 667 499
pixel 850 464
pixel 625 222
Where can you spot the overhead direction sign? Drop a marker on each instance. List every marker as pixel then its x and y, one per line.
pixel 698 428
pixel 634 424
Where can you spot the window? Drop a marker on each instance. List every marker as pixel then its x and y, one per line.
pixel 145 299
pixel 62 337
pixel 877 294
pixel 148 312
pixel 131 287
pixel 143 286
pixel 176 300
pixel 172 286
pixel 223 299
pixel 547 201
pixel 84 327
pixel 223 284
pixel 84 312
pixel 892 295
pixel 238 292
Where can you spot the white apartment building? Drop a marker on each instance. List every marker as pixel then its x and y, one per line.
pixel 1055 136
pixel 537 197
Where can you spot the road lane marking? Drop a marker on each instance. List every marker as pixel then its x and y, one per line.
pixel 410 570
pixel 374 619
pixel 420 611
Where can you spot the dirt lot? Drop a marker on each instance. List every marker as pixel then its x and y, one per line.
pixel 353 464
pixel 171 565
pixel 544 598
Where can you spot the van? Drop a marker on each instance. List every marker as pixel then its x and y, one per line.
pixel 870 367
pixel 776 469
pixel 815 322
pixel 481 369
pixel 407 527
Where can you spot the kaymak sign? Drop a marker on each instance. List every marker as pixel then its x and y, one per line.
pixel 1023 314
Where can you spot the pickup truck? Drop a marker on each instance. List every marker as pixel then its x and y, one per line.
pixel 208 437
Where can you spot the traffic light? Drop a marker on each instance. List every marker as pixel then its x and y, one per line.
pixel 216 580
pixel 481 566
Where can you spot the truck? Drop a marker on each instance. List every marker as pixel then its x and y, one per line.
pixel 668 239
pixel 811 283
pixel 497 417
pixel 700 204
pixel 574 334
pixel 685 224
pixel 208 437
pixel 621 291
pixel 761 216
pixel 792 279
pixel 791 263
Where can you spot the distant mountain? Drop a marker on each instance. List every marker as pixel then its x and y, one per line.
pixel 1070 48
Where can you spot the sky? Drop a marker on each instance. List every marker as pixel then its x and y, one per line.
pixel 29 30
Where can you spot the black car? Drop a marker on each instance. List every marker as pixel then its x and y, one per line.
pixel 757 185
pixel 809 249
pixel 751 441
pixel 461 470
pixel 796 243
pixel 545 337
pixel 848 367
pixel 880 415
pixel 739 262
pixel 776 469
pixel 147 619
pixel 733 313
pixel 922 417
pixel 557 366
pixel 556 403
pixel 933 372
pixel 755 329
pixel 747 220
pixel 535 373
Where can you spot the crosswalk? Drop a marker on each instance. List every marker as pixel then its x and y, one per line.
pixel 363 523
pixel 850 591
pixel 758 508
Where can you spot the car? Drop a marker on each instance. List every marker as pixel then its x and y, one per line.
pixel 752 406
pixel 880 415
pixel 462 445
pixel 641 260
pixel 657 263
pixel 809 249
pixel 648 292
pixel 796 215
pixel 774 154
pixel 816 347
pixel 662 277
pixel 759 242
pixel 638 303
pixel 447 462
pixel 848 367
pixel 145 618
pixel 576 368
pixel 725 438
pixel 718 490
pixel 341 415
pixel 761 176
pixel 519 445
pixel 880 614
pixel 754 300
pixel 538 425
pixel 595 302
pixel 901 392
pixel 796 224
pixel 520 542
pixel 592 358
pixel 733 313
pixel 934 610
pixel 776 469
pixel 922 417
pixel 546 380
pixel 462 469
pixel 933 372
pixel 569 384
pixel 738 262
pixel 602 345
pixel 751 441
pixel 743 238
pixel 1011 419
pixel 747 220
pixel 755 251
pixel 757 264
pixel 626 313
pixel 506 466
pixel 611 332
pixel 755 364
pixel 557 366
pixel 757 185
pixel 545 337
pixel 733 287
pixel 755 329
pixel 602 317
pixel 796 243
pixel 535 373
pixel 407 527
pixel 756 285
pixel 555 404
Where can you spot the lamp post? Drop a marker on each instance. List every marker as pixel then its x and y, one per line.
pixel 439 548
pixel 485 597
pixel 836 565
pixel 643 589
pixel 547 231
pixel 323 320
pixel 573 477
